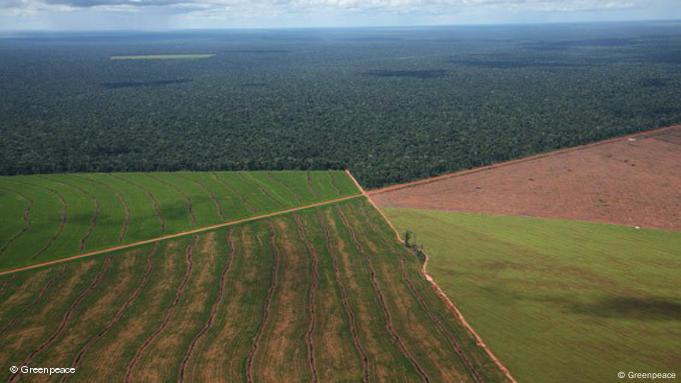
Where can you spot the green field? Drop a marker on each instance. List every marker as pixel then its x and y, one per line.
pixel 559 300
pixel 53 216
pixel 164 57
pixel 325 292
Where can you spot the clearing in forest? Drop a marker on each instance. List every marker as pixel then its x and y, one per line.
pixel 47 217
pixel 322 294
pixel 634 181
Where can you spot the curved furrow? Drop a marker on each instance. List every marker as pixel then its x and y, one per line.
pixel 216 202
pixel 152 197
pixel 66 318
pixel 20 315
pixel 352 322
pixel 123 202
pixel 437 322
pixel 247 205
pixel 214 308
pixel 93 220
pixel 268 305
pixel 60 229
pixel 117 316
pixel 285 186
pixel 190 207
pixel 311 298
pixel 390 327
pixel 257 184
pixel 310 186
pixel 27 221
pixel 333 184
pixel 168 315
pixel 4 284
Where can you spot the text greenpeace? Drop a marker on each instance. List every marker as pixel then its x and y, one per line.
pixel 646 375
pixel 42 370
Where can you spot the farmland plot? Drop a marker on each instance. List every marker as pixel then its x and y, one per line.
pixel 558 300
pixel 322 294
pixel 55 216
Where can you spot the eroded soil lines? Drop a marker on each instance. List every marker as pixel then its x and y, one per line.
pixel 186 196
pixel 152 197
pixel 119 314
pixel 67 316
pixel 310 186
pixel 26 218
pixel 247 205
pixel 286 187
pixel 352 323
pixel 168 314
pixel 333 183
pixel 311 297
pixel 95 215
pixel 216 202
pixel 60 229
pixel 21 314
pixel 4 284
pixel 214 308
pixel 123 202
pixel 260 187
pixel 441 328
pixel 390 327
pixel 267 307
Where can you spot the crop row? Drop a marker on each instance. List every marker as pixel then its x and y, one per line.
pixel 53 216
pixel 324 294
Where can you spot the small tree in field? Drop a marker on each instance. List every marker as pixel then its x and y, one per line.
pixel 409 239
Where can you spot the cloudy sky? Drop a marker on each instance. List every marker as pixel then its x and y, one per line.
pixel 180 14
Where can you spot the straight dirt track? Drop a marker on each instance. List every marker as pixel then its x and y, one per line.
pixel 633 180
pixel 176 235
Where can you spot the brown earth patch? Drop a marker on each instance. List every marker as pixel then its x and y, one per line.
pixel 23 295
pixel 153 374
pixel 440 354
pixel 331 324
pixel 213 310
pixel 634 181
pixel 371 313
pixel 169 348
pixel 283 356
pixel 267 307
pixel 223 356
pixel 82 352
pixel 57 333
pixel 108 361
pixel 95 313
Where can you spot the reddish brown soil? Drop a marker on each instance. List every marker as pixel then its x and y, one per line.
pixel 634 180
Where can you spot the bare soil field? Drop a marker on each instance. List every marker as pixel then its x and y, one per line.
pixel 633 180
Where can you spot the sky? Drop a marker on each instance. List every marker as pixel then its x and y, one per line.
pixel 208 14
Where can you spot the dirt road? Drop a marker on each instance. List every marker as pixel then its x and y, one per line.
pixel 176 235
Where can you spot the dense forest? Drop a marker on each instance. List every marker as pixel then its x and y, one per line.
pixel 391 104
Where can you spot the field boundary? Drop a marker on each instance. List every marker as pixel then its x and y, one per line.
pixel 438 290
pixel 517 161
pixel 183 233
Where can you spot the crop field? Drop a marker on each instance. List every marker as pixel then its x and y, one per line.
pixel 47 217
pixel 631 181
pixel 558 300
pixel 322 294
pixel 164 57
